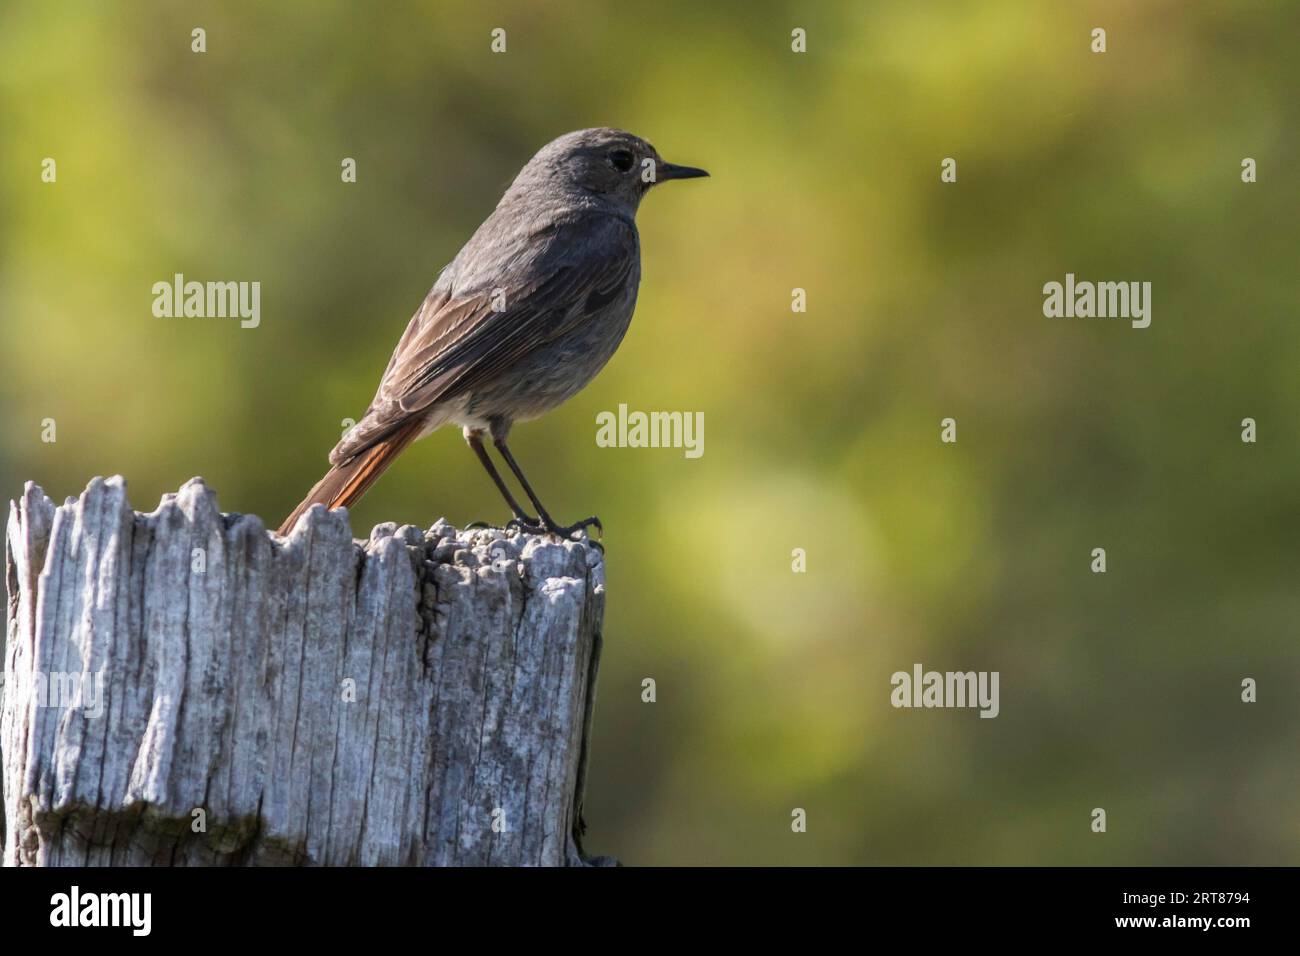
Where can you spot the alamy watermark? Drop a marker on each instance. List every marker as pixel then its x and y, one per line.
pixel 71 689
pixel 208 300
pixel 133 911
pixel 922 688
pixel 1102 300
pixel 635 429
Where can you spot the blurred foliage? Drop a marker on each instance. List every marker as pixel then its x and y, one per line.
pixel 822 429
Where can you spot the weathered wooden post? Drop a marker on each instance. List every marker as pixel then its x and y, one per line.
pixel 184 688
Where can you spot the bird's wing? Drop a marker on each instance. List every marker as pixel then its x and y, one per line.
pixel 457 341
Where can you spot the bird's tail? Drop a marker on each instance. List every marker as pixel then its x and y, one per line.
pixel 344 484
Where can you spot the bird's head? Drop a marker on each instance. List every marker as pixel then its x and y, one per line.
pixel 609 163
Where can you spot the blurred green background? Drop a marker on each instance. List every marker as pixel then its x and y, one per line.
pixel 822 429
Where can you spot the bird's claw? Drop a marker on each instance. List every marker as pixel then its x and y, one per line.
pixel 525 523
pixel 583 525
pixel 545 526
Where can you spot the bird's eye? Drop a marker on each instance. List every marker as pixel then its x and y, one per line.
pixel 621 159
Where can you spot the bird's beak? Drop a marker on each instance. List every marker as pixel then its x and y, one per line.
pixel 673 171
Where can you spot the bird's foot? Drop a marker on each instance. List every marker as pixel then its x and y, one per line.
pixel 525 523
pixel 570 530
pixel 547 526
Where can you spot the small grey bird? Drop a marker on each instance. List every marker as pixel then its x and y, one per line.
pixel 521 320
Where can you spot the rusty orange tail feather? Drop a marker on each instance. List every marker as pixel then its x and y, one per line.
pixel 343 485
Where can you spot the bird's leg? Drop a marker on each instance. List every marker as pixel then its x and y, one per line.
pixel 547 522
pixel 475 439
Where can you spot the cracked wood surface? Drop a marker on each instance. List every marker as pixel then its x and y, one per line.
pixel 420 698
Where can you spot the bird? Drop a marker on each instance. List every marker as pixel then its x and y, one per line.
pixel 522 319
